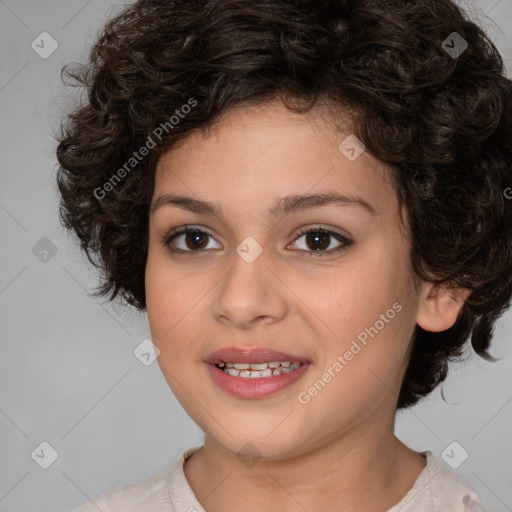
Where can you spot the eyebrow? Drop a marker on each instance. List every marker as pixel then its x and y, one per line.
pixel 282 206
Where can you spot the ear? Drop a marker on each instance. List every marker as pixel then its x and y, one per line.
pixel 439 306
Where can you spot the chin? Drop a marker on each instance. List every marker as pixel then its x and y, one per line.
pixel 256 446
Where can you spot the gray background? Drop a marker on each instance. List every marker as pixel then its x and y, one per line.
pixel 68 374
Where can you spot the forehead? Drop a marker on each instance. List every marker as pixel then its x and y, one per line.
pixel 259 153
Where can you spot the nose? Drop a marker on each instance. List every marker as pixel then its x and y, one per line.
pixel 250 294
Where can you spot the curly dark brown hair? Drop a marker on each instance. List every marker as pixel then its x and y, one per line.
pixel 438 112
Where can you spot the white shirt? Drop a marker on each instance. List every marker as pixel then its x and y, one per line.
pixel 437 489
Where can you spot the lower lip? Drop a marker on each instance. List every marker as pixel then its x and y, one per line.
pixel 258 387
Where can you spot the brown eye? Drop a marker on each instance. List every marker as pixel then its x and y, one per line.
pixel 187 239
pixel 318 240
pixel 196 240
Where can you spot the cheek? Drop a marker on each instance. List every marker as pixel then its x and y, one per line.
pixel 352 298
pixel 368 317
pixel 176 302
pixel 167 298
pixel 358 377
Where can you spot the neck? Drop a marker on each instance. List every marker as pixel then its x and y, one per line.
pixel 356 472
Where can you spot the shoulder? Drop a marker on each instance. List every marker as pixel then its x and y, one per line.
pixel 161 492
pixel 151 493
pixel 450 489
pixel 439 489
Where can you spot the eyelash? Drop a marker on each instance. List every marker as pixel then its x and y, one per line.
pixel 345 242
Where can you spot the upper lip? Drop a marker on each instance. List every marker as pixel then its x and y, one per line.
pixel 250 355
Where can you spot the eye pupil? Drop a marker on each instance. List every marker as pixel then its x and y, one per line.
pixel 316 236
pixel 317 241
pixel 192 238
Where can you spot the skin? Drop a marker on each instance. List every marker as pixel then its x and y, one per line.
pixel 331 451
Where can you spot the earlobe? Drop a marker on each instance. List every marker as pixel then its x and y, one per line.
pixel 440 306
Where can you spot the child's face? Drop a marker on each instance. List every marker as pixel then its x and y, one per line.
pixel 291 298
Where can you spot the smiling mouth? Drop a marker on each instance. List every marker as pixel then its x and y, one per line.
pixel 258 370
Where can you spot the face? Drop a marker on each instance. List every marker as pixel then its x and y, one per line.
pixel 327 284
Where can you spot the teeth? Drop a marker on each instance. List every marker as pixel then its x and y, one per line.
pixel 259 366
pixel 258 370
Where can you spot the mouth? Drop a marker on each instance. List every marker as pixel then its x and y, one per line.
pixel 254 373
pixel 258 370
